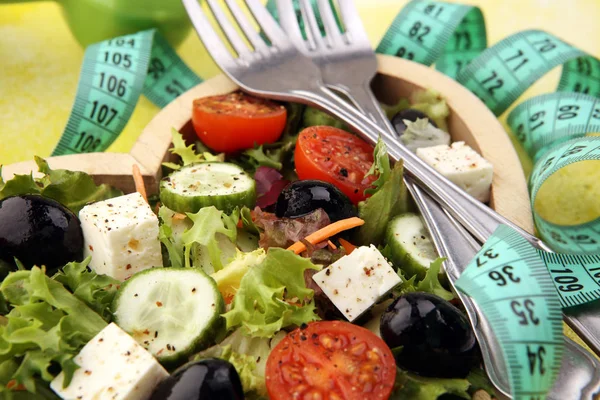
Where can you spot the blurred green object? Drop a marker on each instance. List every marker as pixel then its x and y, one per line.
pixel 92 21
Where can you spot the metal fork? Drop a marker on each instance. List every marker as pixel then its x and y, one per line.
pixel 279 71
pixel 579 375
pixel 348 64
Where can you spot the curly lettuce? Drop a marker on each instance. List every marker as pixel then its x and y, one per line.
pixel 272 296
pixel 47 326
pixel 388 201
pixel 96 291
pixel 188 154
pixel 73 189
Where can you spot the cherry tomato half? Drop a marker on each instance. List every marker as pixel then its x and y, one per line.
pixel 330 360
pixel 335 156
pixel 237 121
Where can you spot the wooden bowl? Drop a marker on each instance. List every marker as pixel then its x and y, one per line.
pixel 469 120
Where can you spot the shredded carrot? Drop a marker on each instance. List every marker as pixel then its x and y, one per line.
pixel 331 245
pixel 349 247
pixel 325 233
pixel 139 182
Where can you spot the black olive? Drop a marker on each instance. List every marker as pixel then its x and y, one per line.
pixel 39 231
pixel 436 338
pixel 303 197
pixel 409 114
pixel 211 378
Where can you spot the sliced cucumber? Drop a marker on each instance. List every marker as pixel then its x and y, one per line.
pixel 410 245
pixel 172 312
pixel 220 184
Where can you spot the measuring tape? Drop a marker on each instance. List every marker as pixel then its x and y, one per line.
pixel 520 289
pixel 113 75
pixel 510 282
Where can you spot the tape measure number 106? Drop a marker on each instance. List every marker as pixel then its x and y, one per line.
pixel 114 74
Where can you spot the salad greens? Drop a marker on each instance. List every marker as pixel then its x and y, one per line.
pixel 188 154
pixel 46 321
pixel 96 291
pixel 229 278
pixel 430 283
pixel 47 324
pixel 414 387
pixel 273 295
pixel 73 189
pixel 390 200
pixel 207 224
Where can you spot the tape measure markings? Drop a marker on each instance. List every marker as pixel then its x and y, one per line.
pixel 113 75
pixel 528 324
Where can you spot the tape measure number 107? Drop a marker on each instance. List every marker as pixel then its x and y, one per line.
pixel 114 74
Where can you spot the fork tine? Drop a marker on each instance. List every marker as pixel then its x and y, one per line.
pixel 352 22
pixel 251 33
pixel 207 34
pixel 232 35
pixel 313 33
pixel 266 21
pixel 331 28
pixel 289 23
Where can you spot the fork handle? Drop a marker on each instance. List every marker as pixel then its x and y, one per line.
pixel 480 220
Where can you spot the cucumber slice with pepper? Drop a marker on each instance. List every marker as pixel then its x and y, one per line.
pixel 410 245
pixel 220 184
pixel 172 312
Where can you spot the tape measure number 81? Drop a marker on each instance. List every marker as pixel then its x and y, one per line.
pixel 521 289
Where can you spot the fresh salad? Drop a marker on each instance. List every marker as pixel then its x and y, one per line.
pixel 282 259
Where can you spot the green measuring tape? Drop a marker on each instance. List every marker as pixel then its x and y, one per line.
pixel 510 282
pixel 520 289
pixel 114 74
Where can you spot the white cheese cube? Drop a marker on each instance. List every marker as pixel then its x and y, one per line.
pixel 463 166
pixel 121 235
pixel 357 281
pixel 112 366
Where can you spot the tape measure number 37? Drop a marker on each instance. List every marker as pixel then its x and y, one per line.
pixel 520 289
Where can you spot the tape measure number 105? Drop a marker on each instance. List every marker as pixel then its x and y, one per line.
pixel 114 74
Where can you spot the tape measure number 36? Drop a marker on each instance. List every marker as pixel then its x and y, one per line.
pixel 521 289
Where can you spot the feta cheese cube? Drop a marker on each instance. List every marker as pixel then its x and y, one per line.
pixel 356 281
pixel 461 165
pixel 121 235
pixel 112 366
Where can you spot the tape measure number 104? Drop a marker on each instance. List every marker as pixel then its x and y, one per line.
pixel 114 74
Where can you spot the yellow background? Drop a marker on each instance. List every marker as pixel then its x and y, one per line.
pixel 40 61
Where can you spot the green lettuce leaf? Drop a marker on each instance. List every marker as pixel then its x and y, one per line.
pixel 433 104
pixel 390 200
pixel 249 357
pixel 314 117
pixel 380 167
pixel 73 189
pixel 209 222
pixel 249 225
pixel 273 295
pixel 170 234
pixel 47 326
pixel 188 154
pixel 97 291
pixel 430 283
pixel 258 157
pixel 414 387
pixel 229 278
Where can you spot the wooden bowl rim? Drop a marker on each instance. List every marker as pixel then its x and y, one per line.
pixel 509 188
